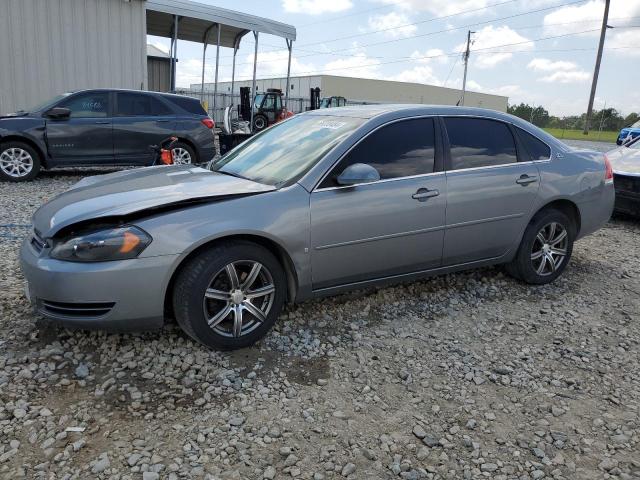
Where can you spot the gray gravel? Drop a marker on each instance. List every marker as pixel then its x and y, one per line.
pixel 469 376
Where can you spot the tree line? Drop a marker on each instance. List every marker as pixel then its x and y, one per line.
pixel 609 118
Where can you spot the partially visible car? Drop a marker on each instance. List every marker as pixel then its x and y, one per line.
pixel 629 133
pixel 625 161
pixel 102 127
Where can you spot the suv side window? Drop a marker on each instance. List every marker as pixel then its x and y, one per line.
pixel 88 105
pixel 268 103
pixel 537 149
pixel 479 142
pixel 133 105
pixel 400 149
pixel 278 103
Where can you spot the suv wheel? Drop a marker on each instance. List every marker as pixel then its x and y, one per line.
pixel 19 162
pixel 183 154
pixel 545 248
pixel 230 295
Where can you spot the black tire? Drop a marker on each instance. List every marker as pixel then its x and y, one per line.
pixel 618 142
pixel 524 267
pixel 9 150
pixel 187 148
pixel 202 271
pixel 260 122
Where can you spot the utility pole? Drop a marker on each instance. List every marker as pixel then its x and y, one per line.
pixel 594 83
pixel 466 63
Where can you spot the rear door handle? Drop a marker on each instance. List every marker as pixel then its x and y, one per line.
pixel 163 120
pixel 525 180
pixel 423 194
pixel 103 122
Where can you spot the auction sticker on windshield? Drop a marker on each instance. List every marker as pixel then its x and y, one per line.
pixel 331 124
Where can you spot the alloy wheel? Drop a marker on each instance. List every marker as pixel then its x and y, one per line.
pixel 16 162
pixel 549 248
pixel 181 156
pixel 239 298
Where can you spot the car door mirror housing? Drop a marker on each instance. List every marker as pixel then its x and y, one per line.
pixel 58 112
pixel 358 173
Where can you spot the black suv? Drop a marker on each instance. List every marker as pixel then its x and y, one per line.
pixel 102 127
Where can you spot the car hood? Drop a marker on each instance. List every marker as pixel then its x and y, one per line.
pixel 625 161
pixel 129 192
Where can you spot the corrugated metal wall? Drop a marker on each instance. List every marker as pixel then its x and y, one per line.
pixel 159 74
pixel 52 46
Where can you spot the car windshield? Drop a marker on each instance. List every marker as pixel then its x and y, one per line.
pixel 635 145
pixel 284 152
pixel 43 105
pixel 636 125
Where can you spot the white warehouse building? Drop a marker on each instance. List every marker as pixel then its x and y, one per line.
pixel 364 90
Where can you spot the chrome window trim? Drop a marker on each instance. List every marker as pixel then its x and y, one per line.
pixel 390 122
pixel 386 180
pixel 486 167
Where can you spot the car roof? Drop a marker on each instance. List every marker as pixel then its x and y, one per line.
pixel 129 90
pixel 370 111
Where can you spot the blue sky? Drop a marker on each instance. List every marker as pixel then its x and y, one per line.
pixel 534 51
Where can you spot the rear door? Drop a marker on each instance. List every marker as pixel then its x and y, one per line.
pixel 386 228
pixel 140 121
pixel 491 187
pixel 86 137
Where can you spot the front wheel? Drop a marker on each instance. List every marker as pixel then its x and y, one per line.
pixel 230 295
pixel 19 162
pixel 260 122
pixel 545 248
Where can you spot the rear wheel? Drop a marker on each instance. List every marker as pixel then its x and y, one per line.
pixel 545 248
pixel 230 295
pixel 19 162
pixel 183 154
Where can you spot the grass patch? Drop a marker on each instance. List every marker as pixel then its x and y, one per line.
pixel 593 135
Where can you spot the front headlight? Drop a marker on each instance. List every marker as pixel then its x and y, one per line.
pixel 117 243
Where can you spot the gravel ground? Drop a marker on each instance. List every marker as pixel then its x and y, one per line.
pixel 463 376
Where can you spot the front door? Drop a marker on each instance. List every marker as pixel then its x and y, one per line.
pixel 140 121
pixel 85 137
pixel 491 187
pixel 386 228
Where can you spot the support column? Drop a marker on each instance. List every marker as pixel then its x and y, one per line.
pixel 286 96
pixel 174 53
pixel 205 43
pixel 253 90
pixel 215 84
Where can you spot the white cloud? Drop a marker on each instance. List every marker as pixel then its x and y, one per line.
pixel 588 16
pixel 274 64
pixel 360 65
pixel 560 71
pixel 420 74
pixel 576 76
pixel 546 65
pixel 316 7
pixel 504 90
pixel 440 7
pixel 629 38
pixel 430 55
pixel 494 37
pixel 394 24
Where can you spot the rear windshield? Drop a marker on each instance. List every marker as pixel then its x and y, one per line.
pixel 191 105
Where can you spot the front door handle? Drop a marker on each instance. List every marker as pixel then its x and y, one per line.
pixel 423 194
pixel 163 120
pixel 525 180
pixel 103 122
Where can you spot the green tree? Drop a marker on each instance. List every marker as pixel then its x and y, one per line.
pixel 631 119
pixel 539 116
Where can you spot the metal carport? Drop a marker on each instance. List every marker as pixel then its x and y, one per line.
pixel 209 25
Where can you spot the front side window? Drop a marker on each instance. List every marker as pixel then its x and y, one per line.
pixel 88 105
pixel 479 142
pixel 284 152
pixel 400 149
pixel 537 149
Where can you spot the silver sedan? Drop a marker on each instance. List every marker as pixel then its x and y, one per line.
pixel 326 201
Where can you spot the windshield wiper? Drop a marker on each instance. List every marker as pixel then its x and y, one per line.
pixel 237 175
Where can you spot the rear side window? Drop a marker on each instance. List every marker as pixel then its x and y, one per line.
pixel 537 149
pixel 479 142
pixel 191 105
pixel 401 149
pixel 135 104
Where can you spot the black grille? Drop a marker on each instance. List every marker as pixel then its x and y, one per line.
pixel 623 183
pixel 37 243
pixel 76 309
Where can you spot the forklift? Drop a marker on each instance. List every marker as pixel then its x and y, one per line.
pixel 267 110
pixel 326 102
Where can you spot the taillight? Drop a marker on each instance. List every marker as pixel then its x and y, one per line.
pixel 608 171
pixel 207 122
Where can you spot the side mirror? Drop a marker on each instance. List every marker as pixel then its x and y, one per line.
pixel 358 173
pixel 58 112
